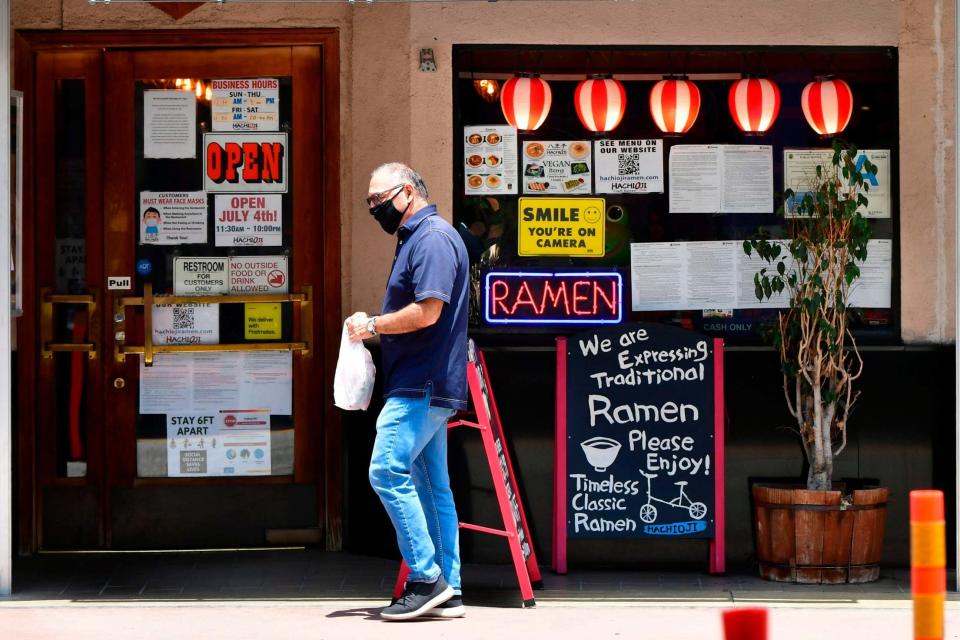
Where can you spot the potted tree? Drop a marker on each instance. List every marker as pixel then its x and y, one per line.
pixel 818 533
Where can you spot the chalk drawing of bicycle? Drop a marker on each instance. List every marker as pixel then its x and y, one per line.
pixel 648 512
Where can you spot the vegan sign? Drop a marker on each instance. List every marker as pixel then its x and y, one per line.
pixel 640 428
pixel 561 227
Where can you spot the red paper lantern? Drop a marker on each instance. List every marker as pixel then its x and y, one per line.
pixel 754 104
pixel 674 105
pixel 600 101
pixel 827 105
pixel 525 100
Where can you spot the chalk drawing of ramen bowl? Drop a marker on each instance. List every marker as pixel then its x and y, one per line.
pixel 600 452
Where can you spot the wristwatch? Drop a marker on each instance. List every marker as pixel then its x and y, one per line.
pixel 372 325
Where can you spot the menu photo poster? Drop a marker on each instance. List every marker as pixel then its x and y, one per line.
pixel 800 174
pixel 628 166
pixel 557 167
pixel 490 159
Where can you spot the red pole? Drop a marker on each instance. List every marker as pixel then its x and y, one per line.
pixel 560 463
pixel 718 546
pixel 78 361
pixel 745 624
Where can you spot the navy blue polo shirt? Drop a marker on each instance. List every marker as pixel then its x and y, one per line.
pixel 430 262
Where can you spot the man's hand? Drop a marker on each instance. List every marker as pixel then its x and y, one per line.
pixel 413 317
pixel 357 327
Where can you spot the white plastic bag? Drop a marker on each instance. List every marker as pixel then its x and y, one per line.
pixel 353 381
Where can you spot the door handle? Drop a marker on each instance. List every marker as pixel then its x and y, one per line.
pixel 303 300
pixel 48 301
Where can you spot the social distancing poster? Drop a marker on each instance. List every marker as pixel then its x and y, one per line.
pixel 218 443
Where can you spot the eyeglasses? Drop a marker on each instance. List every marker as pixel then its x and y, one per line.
pixel 380 198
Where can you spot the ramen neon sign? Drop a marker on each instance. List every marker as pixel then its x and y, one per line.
pixel 548 297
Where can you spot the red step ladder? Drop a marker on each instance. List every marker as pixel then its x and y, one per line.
pixel 515 528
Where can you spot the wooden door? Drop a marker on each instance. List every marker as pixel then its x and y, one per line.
pixel 268 351
pixel 67 229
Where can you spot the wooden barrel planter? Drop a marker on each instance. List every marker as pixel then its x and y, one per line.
pixel 814 537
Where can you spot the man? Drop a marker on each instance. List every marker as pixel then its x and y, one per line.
pixel 423 335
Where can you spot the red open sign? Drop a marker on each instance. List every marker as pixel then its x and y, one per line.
pixel 248 163
pixel 549 297
pixel 252 161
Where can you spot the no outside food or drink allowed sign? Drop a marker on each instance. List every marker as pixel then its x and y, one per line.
pixel 259 274
pixel 213 275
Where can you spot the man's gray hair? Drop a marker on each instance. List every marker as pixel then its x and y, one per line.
pixel 405 174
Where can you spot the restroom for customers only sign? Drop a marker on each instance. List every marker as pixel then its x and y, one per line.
pixel 204 276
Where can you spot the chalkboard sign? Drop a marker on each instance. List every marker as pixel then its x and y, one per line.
pixel 639 436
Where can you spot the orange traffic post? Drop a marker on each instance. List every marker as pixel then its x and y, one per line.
pixel 749 623
pixel 928 563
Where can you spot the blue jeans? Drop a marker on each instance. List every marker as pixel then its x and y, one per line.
pixel 408 470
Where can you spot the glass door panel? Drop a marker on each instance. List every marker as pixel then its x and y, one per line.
pixel 216 222
pixel 70 322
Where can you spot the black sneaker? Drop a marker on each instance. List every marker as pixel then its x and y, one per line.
pixel 417 599
pixel 452 608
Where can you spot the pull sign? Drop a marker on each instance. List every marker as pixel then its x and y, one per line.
pixel 119 283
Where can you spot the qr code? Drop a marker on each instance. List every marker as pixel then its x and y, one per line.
pixel 629 164
pixel 183 318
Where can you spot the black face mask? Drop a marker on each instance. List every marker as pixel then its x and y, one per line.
pixel 388 215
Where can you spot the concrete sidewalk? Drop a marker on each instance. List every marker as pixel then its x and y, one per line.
pixel 215 621
pixel 313 594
